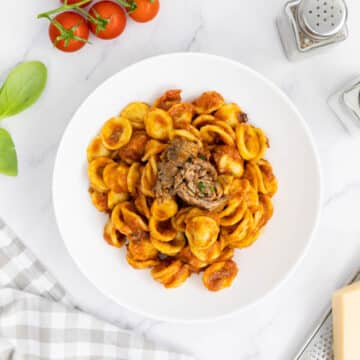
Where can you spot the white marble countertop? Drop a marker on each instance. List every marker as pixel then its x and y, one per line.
pixel 241 30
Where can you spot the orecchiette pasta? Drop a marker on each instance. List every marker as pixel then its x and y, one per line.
pixel 153 147
pixel 226 254
pixel 234 235
pixel 161 230
pixel 99 199
pixel 112 236
pixel 204 120
pixel 181 114
pixel 186 134
pixel 142 205
pixel 220 275
pixel 211 133
pixel 170 248
pixel 201 232
pixel 158 124
pixel 209 254
pixel 97 149
pixel 148 177
pixel 246 190
pixel 133 178
pixel 184 184
pixel 96 173
pixel 141 264
pixel 234 211
pixel 114 198
pixel 228 160
pixel 208 102
pixel 163 210
pixel 135 112
pixel 231 114
pixel 115 177
pixel 179 220
pixel 168 99
pixel 116 133
pixel 171 274
pixel 135 148
pixel 126 220
pixel 251 142
pixel 187 257
pixel 141 248
pixel 133 219
pixel 261 177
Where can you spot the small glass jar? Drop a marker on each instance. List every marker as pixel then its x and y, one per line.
pixel 306 26
pixel 346 105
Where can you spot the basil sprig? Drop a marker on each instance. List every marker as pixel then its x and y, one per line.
pixel 21 89
pixel 8 158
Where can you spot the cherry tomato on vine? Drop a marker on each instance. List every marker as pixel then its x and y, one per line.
pixel 68 31
pixel 145 10
pixel 71 2
pixel 107 19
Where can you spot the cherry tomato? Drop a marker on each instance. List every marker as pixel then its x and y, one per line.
pixel 108 20
pixel 68 31
pixel 145 10
pixel 71 2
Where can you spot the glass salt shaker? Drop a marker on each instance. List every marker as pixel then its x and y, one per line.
pixel 306 26
pixel 346 105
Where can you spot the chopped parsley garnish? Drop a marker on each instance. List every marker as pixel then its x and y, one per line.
pixel 202 156
pixel 202 187
pixel 213 189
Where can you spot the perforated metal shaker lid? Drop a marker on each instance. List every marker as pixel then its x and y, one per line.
pixel 322 18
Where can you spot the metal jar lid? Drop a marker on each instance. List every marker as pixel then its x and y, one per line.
pixel 322 18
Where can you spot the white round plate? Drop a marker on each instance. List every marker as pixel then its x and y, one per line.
pixel 263 266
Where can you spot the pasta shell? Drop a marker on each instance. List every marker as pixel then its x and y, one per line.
pixel 96 171
pixel 97 149
pixel 250 141
pixel 163 210
pixel 172 274
pixel 201 232
pixel 161 230
pixel 231 114
pixel 158 124
pixel 208 102
pixel 220 275
pixel 116 133
pixel 168 99
pixel 135 112
pixel 112 236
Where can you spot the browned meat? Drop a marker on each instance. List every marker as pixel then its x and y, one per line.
pixel 180 151
pixel 183 171
pixel 243 117
pixel 196 184
pixel 173 158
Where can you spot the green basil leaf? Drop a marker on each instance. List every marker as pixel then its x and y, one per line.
pixel 8 158
pixel 22 88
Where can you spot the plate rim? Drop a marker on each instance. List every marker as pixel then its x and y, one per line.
pixel 319 181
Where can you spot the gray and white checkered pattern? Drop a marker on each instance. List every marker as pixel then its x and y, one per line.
pixel 38 321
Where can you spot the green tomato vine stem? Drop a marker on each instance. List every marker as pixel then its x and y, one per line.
pixel 130 5
pixel 66 34
pixel 100 22
pixel 62 8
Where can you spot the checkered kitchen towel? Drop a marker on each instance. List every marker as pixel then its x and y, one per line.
pixel 38 321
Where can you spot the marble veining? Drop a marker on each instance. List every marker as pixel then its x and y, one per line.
pixel 242 30
pixel 343 192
